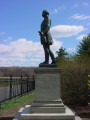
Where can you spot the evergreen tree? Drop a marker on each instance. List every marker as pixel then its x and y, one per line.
pixel 61 53
pixel 84 47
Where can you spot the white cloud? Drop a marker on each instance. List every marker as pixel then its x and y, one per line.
pixel 2 33
pixel 56 46
pixel 85 29
pixel 8 39
pixel 80 37
pixel 75 5
pixel 85 4
pixel 65 30
pixel 22 52
pixel 71 49
pixel 80 17
pixel 34 63
pixel 37 60
pixel 88 24
pixel 55 11
pixel 62 7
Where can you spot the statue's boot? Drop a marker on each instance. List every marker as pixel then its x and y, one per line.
pixel 44 62
pixel 46 59
pixel 53 62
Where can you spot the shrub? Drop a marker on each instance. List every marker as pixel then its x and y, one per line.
pixel 74 80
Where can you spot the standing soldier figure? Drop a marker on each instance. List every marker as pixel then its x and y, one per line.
pixel 46 38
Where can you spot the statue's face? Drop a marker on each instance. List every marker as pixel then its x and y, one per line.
pixel 43 14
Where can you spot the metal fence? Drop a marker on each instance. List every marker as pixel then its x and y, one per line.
pixel 15 87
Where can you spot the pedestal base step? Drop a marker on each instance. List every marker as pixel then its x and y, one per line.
pixel 47 105
pixel 26 115
pixel 47 109
pixel 59 101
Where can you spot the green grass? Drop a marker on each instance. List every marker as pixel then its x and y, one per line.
pixel 9 105
pixel 8 78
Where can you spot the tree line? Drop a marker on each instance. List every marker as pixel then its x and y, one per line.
pixel 16 71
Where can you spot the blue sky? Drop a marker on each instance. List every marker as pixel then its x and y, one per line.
pixel 20 22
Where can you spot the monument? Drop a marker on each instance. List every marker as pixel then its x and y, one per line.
pixel 47 104
pixel 46 39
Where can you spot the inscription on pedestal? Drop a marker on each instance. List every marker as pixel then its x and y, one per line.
pixel 47 86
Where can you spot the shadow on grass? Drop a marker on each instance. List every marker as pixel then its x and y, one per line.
pixel 6 118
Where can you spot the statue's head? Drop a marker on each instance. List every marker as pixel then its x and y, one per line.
pixel 45 13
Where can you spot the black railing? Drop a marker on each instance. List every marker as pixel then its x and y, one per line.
pixel 13 87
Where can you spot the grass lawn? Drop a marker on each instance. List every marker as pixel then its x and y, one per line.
pixel 10 108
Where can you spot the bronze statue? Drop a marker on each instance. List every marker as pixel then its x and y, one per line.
pixel 46 38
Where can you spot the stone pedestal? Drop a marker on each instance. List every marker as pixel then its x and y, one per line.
pixel 47 104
